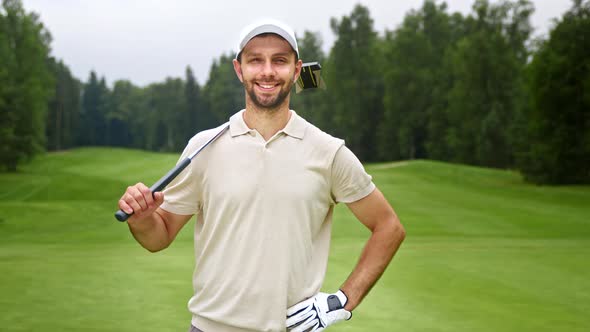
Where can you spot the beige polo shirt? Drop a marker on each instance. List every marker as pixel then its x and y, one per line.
pixel 264 216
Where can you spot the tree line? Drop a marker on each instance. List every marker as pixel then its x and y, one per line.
pixel 472 88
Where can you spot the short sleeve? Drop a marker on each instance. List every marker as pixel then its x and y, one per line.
pixel 181 196
pixel 350 181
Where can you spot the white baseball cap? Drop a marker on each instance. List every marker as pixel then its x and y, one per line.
pixel 267 26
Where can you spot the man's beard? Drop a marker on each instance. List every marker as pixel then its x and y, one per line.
pixel 271 104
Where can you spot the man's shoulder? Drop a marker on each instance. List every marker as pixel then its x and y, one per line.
pixel 316 135
pixel 321 141
pixel 202 137
pixel 205 135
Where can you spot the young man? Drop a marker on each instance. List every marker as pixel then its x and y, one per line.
pixel 263 194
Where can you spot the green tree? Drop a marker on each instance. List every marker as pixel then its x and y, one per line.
pixel 223 91
pixel 192 93
pixel 64 108
pixel 166 106
pixel 93 127
pixel 558 134
pixel 124 115
pixel 487 67
pixel 198 115
pixel 25 84
pixel 355 83
pixel 8 115
pixel 415 85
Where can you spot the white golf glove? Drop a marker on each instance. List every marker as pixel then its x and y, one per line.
pixel 318 312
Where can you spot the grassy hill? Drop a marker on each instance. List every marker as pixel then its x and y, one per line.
pixel 484 251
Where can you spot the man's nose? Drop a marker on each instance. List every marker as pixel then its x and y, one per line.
pixel 267 68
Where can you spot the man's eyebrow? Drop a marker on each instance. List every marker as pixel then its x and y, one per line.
pixel 254 54
pixel 282 54
pixel 246 53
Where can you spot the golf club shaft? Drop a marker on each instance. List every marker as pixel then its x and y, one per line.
pixel 173 173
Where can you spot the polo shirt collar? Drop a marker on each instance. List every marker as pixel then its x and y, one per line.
pixel 294 128
pixel 237 126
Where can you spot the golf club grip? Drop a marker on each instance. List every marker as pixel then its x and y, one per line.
pixel 158 186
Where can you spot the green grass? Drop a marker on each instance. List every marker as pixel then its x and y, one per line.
pixel 484 251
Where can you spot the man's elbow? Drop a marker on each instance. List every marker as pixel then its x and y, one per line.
pixel 397 229
pixel 155 247
pixel 401 232
pixel 153 250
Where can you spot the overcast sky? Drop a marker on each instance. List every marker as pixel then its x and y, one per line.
pixel 146 41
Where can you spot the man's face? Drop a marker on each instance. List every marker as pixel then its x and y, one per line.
pixel 268 70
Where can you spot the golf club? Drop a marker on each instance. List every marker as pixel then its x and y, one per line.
pixel 166 179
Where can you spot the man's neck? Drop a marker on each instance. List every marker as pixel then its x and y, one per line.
pixel 267 122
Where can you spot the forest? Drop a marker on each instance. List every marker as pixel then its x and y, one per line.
pixel 474 89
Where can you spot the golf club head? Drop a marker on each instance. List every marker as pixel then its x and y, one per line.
pixel 310 77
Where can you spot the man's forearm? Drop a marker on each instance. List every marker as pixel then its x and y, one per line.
pixel 150 232
pixel 376 255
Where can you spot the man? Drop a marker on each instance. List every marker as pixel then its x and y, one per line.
pixel 263 194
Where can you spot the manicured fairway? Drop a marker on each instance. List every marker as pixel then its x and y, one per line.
pixel 484 251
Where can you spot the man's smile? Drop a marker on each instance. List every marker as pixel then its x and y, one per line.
pixel 267 86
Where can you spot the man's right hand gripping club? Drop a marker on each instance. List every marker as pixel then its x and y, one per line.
pixel 318 312
pixel 140 201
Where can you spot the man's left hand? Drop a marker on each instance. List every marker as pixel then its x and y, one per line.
pixel 318 312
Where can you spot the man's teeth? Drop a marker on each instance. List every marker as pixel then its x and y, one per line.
pixel 267 86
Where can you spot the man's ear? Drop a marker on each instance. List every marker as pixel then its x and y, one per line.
pixel 238 69
pixel 298 67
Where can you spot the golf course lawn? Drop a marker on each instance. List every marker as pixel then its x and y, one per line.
pixel 484 251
